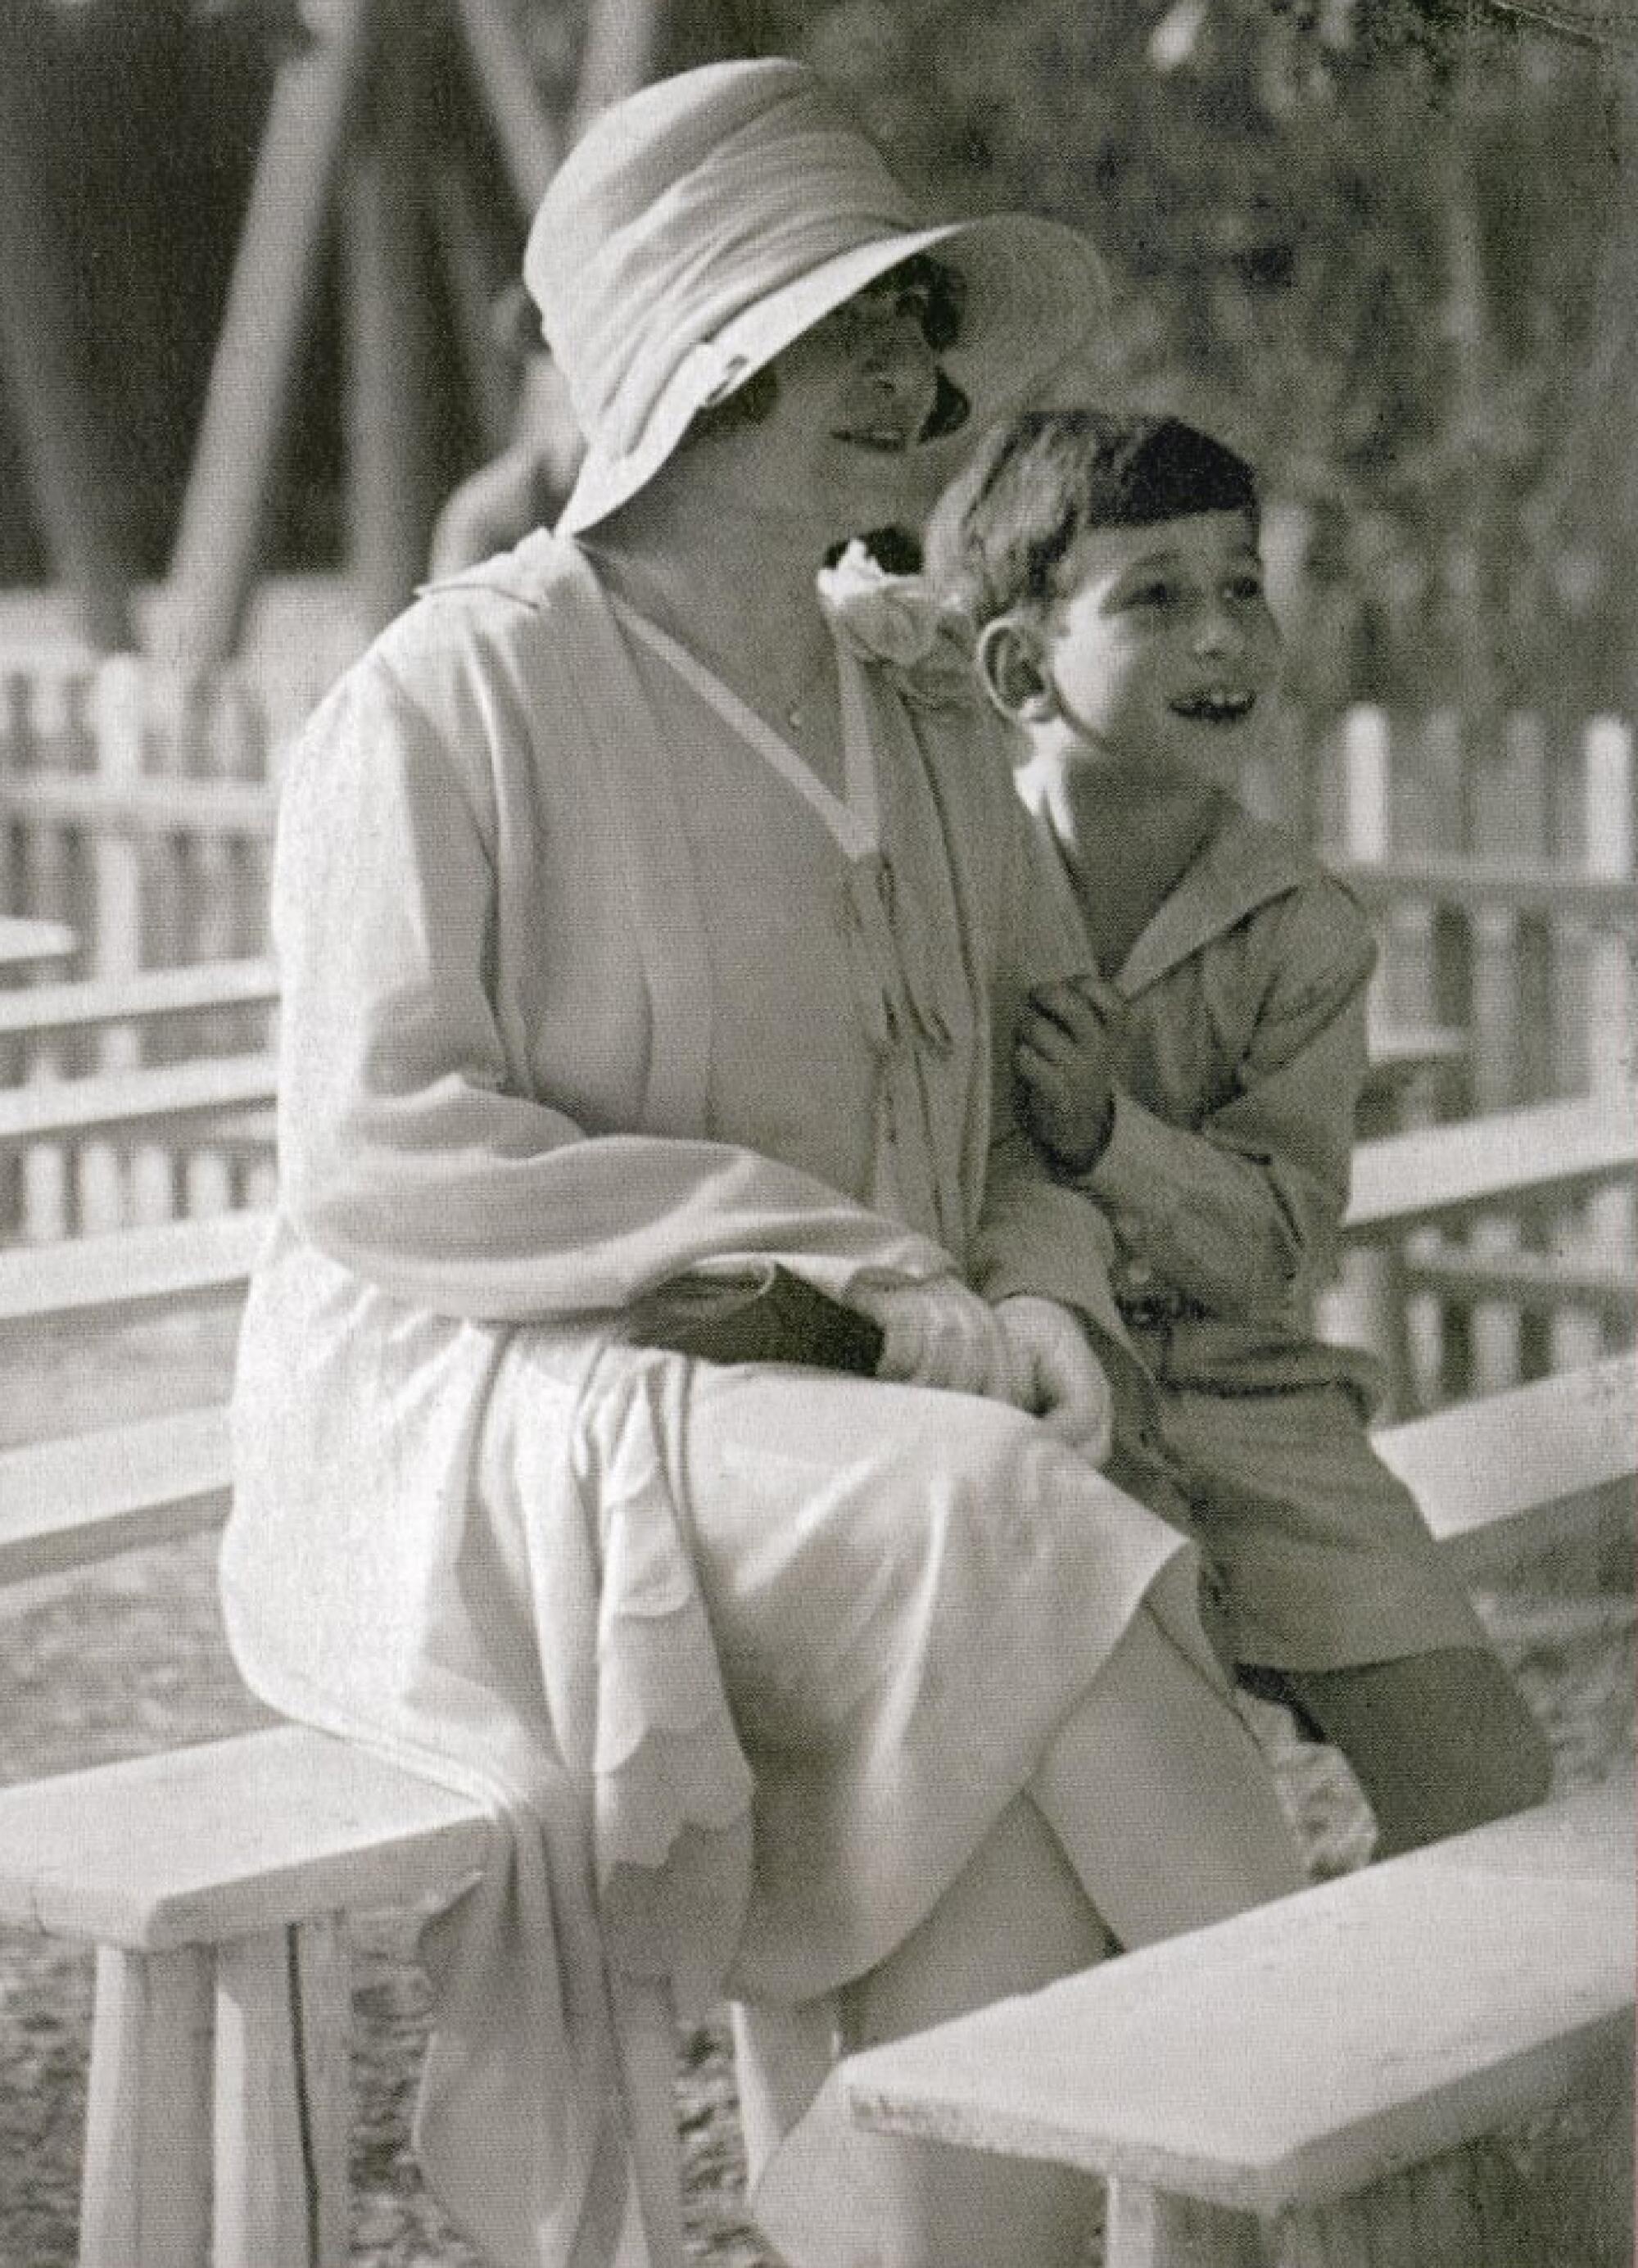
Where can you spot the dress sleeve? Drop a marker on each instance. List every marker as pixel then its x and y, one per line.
pixel 1241 1214
pixel 409 1149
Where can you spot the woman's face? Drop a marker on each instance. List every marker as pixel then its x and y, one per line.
pixel 841 444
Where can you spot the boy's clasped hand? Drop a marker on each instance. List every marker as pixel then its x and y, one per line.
pixel 1065 1057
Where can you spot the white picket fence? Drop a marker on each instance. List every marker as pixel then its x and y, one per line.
pixel 137 803
pixel 1503 886
pixel 138 806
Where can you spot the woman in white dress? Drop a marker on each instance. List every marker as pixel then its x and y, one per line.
pixel 641 917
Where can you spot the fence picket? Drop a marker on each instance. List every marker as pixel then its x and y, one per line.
pixel 1544 991
pixel 52 741
pixel 1366 1307
pixel 104 1177
pixel 1609 785
pixel 1508 789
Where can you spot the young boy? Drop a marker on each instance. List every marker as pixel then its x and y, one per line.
pixel 1198 1082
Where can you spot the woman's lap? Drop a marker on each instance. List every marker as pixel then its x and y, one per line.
pixel 908 1592
pixel 834 1516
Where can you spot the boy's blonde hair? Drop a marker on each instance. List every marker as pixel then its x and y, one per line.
pixel 1038 481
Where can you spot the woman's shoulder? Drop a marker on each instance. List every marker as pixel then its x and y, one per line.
pixel 477 613
pixel 493 641
pixel 465 685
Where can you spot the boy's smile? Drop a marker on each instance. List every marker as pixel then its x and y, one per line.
pixel 1156 660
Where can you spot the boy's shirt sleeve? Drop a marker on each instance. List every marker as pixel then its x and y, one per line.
pixel 1240 1215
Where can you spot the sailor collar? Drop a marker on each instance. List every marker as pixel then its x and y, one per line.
pixel 1243 864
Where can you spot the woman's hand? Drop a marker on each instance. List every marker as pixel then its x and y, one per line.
pixel 1063 1382
pixel 1064 1059
pixel 1026 1351
pixel 940 1334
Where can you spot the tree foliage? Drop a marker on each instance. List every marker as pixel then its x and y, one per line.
pixel 1382 245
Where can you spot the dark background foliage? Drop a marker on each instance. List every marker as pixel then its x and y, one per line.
pixel 1384 245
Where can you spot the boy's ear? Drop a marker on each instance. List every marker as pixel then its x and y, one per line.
pixel 1012 663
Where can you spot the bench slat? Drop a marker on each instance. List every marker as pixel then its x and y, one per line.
pixel 168 1264
pixel 1301 2051
pixel 48 1011
pixel 1498 1478
pixel 1408 1048
pixel 69 1502
pixel 151 804
pixel 26 943
pixel 196 1844
pixel 165 1095
pixel 1528 1279
pixel 129 1272
pixel 1507 1476
pixel 1482 884
pixel 1487 1164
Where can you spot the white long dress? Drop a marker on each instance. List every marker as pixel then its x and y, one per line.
pixel 579 990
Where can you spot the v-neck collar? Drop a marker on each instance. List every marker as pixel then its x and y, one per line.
pixel 853 818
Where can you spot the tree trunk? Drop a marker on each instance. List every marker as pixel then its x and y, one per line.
pixel 71 465
pixel 629 42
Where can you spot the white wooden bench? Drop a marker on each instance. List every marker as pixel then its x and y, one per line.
pixel 217 1913
pixel 1312 2073
pixel 160 805
pixel 176 1266
pixel 213 1880
pixel 1305 2085
pixel 87 1153
pixel 1500 1478
pixel 1437 1211
pixel 146 997
pixel 26 944
pixel 1481 884
pixel 1451 1172
pixel 1411 1072
pixel 215 1091
pixel 82 1148
pixel 1440 1175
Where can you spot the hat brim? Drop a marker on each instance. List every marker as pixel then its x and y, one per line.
pixel 1035 290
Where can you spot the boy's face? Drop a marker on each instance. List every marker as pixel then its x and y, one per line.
pixel 1156 660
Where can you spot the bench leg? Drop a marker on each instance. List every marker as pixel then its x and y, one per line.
pixel 1152 2229
pixel 645 2031
pixel 281 2099
pixel 325 1978
pixel 145 2189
